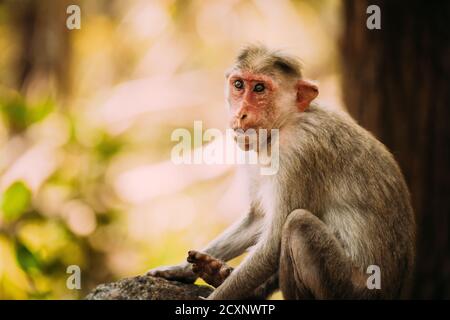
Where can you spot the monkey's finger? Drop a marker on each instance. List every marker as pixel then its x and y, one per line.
pixel 201 270
pixel 158 273
pixel 196 268
pixel 202 257
pixel 212 280
pixel 198 257
pixel 190 257
pixel 152 273
pixel 225 272
pixel 191 253
pixel 194 256
pixel 165 275
pixel 215 265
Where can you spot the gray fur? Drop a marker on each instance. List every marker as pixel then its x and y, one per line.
pixel 260 59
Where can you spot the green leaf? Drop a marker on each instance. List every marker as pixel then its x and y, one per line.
pixel 108 146
pixel 15 201
pixel 20 114
pixel 40 111
pixel 15 111
pixel 26 259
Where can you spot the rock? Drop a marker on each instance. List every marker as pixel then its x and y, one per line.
pixel 148 288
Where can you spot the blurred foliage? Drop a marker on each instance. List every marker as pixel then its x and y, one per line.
pixel 26 259
pixel 18 115
pixel 15 201
pixel 85 125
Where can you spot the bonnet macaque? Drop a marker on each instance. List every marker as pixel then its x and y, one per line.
pixel 337 205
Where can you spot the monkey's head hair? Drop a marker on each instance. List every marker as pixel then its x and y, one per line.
pixel 258 58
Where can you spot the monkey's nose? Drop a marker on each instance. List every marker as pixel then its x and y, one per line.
pixel 241 121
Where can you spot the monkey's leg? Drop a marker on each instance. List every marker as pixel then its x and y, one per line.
pixel 267 288
pixel 313 263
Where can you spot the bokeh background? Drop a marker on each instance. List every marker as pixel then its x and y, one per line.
pixel 86 117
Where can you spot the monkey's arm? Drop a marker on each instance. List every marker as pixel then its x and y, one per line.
pixel 256 269
pixel 230 244
pixel 236 239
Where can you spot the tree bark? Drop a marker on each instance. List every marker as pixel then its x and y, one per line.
pixel 396 84
pixel 43 42
pixel 148 288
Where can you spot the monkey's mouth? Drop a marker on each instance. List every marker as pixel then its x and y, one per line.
pixel 251 141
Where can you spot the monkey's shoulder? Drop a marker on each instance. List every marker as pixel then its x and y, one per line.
pixel 333 135
pixel 329 149
pixel 343 163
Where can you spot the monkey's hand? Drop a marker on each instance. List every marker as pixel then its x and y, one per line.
pixel 181 272
pixel 210 269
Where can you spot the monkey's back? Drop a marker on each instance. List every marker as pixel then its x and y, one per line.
pixel 341 173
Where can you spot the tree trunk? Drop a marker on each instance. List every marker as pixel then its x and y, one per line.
pixel 396 84
pixel 43 42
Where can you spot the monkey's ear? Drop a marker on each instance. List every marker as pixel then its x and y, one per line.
pixel 306 92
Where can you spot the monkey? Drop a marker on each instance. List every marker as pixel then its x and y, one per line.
pixel 337 204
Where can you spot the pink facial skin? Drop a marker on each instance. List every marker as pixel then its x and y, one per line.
pixel 250 109
pixel 258 110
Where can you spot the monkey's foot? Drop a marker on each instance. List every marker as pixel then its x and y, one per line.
pixel 213 271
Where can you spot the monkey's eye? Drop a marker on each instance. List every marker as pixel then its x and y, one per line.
pixel 259 87
pixel 238 84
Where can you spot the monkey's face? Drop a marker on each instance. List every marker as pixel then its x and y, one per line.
pixel 252 102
